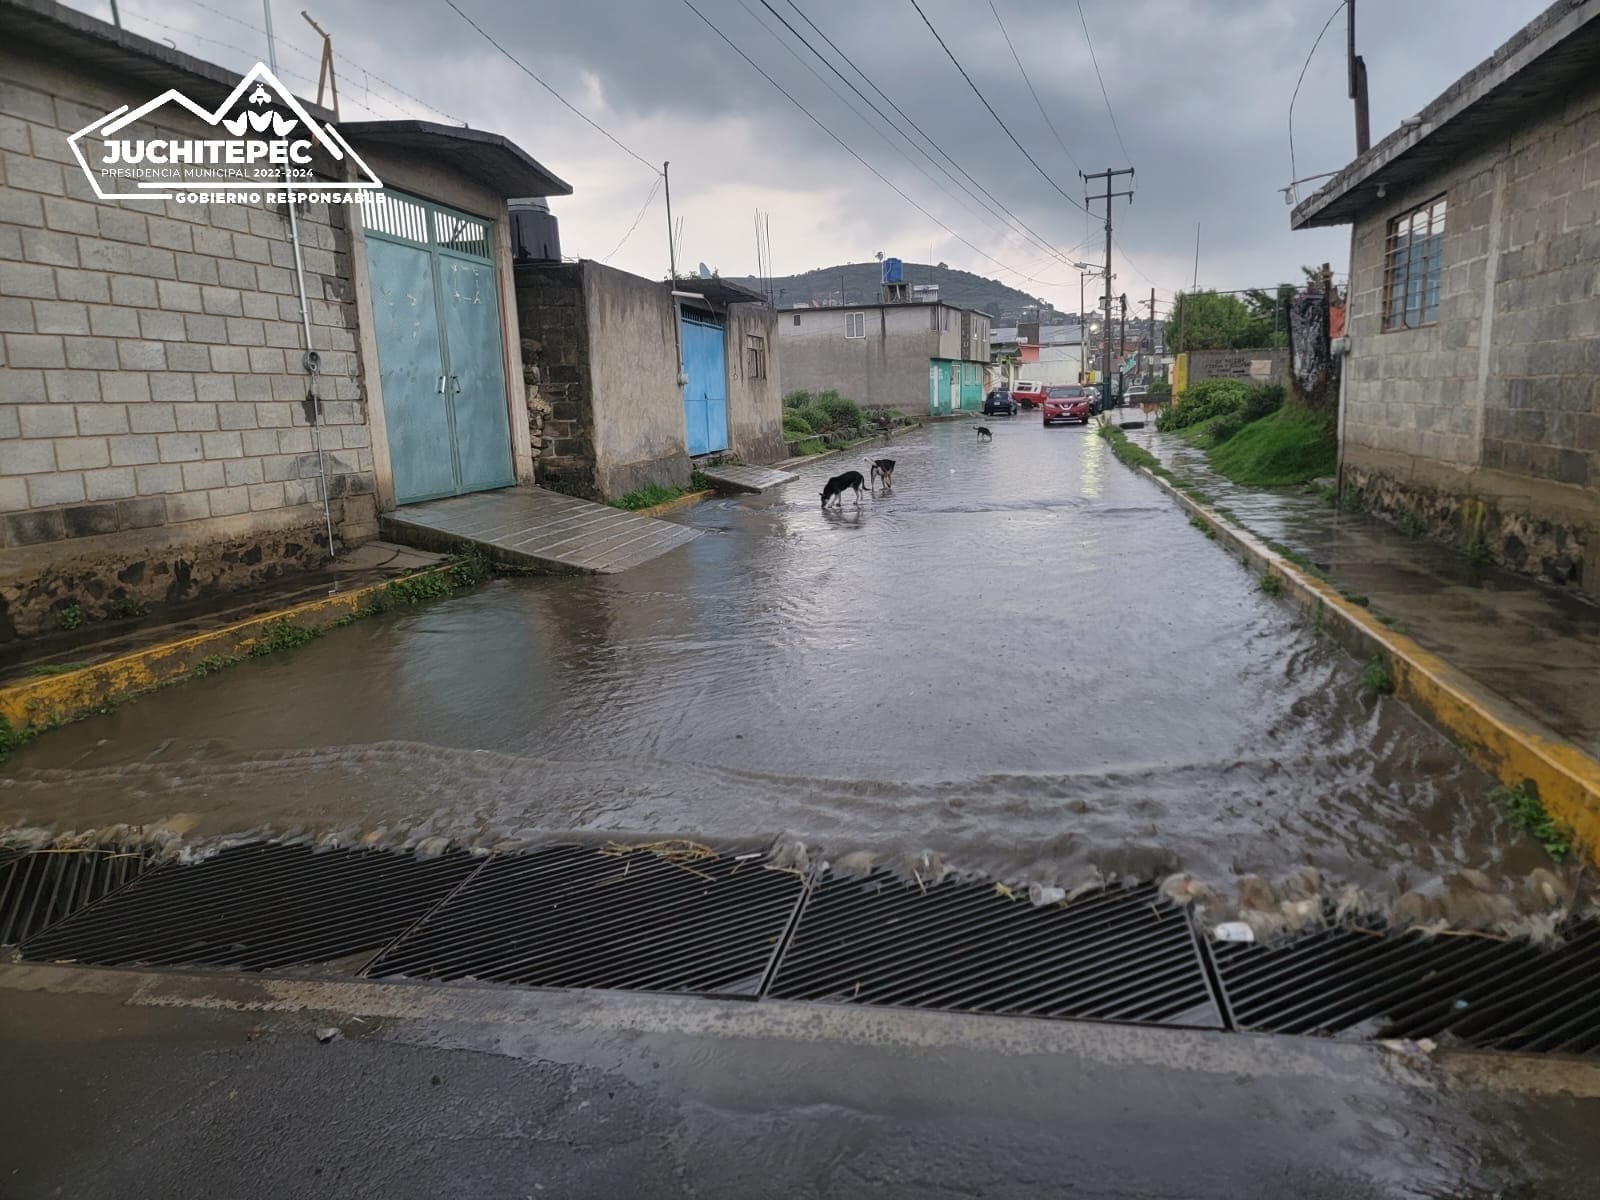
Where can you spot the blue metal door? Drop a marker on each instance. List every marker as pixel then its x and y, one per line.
pixel 469 295
pixel 440 357
pixel 411 367
pixel 705 396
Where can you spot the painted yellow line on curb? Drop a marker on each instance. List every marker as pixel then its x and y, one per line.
pixel 1498 736
pixel 39 704
pixel 687 500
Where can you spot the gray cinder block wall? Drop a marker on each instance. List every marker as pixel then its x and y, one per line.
pixel 154 443
pixel 1485 427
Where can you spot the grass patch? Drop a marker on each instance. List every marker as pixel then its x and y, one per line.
pixel 1203 526
pixel 1329 496
pixel 282 634
pixel 810 446
pixel 47 670
pixel 1376 680
pixel 67 617
pixel 12 740
pixel 1478 552
pixel 1527 813
pixel 648 496
pixel 1356 598
pixel 1272 585
pixel 1412 525
pixel 1292 445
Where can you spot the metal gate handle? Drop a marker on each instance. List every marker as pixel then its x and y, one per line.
pixel 455 385
pixel 440 389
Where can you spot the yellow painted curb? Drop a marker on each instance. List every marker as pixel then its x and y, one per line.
pixel 39 704
pixel 687 500
pixel 1498 736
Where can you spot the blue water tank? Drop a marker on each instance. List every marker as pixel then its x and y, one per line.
pixel 892 272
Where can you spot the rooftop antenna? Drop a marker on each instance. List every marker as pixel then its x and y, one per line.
pixel 325 75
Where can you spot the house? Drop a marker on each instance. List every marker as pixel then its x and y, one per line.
pixel 1471 379
pixel 921 358
pixel 637 378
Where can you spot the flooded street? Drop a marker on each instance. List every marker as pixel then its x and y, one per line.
pixel 1023 659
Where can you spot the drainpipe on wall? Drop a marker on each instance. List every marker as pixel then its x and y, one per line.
pixel 312 362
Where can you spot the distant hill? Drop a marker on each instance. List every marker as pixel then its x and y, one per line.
pixel 860 282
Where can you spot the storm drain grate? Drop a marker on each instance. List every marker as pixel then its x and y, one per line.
pixel 257 907
pixel 1463 990
pixel 1120 955
pixel 575 916
pixel 40 887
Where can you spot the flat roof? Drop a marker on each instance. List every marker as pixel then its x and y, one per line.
pixel 491 159
pixel 1552 53
pixel 882 304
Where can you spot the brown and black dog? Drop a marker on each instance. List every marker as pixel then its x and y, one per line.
pixel 882 468
pixel 839 484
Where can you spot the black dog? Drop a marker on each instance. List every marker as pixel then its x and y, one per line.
pixel 882 468
pixel 984 435
pixel 837 486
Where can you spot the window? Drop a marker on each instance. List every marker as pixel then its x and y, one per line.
pixel 855 325
pixel 756 352
pixel 797 318
pixel 1412 266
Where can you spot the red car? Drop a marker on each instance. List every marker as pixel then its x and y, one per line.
pixel 1068 402
pixel 1028 395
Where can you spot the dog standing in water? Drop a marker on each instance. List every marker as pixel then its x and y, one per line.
pixel 984 435
pixel 882 468
pixel 839 484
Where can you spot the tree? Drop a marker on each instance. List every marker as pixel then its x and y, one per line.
pixel 1210 322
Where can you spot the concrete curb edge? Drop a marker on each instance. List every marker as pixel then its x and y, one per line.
pixel 35 705
pixel 1494 733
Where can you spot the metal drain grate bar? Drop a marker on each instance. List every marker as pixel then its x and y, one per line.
pixel 572 916
pixel 41 887
pixel 258 907
pixel 1121 955
pixel 1473 991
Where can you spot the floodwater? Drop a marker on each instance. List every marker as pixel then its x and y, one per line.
pixel 1023 659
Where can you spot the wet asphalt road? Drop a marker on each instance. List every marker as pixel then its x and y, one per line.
pixel 1023 658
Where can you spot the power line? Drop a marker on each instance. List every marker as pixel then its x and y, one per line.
pixel 593 124
pixel 1293 173
pixel 1031 92
pixel 643 208
pixel 1092 58
pixel 990 107
pixel 841 142
pixel 921 132
pixel 1042 242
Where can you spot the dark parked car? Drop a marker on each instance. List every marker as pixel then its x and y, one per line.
pixel 1068 402
pixel 999 401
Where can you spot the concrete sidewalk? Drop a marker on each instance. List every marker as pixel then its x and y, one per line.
pixel 1537 647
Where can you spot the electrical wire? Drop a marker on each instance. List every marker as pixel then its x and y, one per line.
pixel 1126 157
pixel 836 138
pixel 643 208
pixel 920 131
pixel 591 122
pixel 1045 174
pixel 1041 242
pixel 1024 70
pixel 1293 173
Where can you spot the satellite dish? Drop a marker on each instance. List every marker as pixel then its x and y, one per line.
pixel 704 272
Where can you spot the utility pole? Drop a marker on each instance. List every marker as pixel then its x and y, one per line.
pixel 1152 331
pixel 672 250
pixel 1109 176
pixel 325 75
pixel 1358 80
pixel 1122 332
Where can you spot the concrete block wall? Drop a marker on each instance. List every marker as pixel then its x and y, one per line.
pixel 1486 425
pixel 151 386
pixel 555 345
pixel 755 406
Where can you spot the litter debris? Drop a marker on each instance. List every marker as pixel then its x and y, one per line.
pixel 1041 895
pixel 1423 1046
pixel 1234 931
pixel 327 1033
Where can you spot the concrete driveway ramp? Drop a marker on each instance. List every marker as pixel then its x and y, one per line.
pixel 535 529
pixel 747 479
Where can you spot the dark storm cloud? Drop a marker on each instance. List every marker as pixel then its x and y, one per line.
pixel 1200 90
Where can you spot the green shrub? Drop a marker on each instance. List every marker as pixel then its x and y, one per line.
pixel 815 416
pixel 796 426
pixel 814 446
pixel 1224 425
pixel 1263 400
pixel 1204 400
pixel 798 399
pixel 647 497
pixel 843 413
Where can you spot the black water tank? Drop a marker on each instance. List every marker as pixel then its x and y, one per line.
pixel 534 236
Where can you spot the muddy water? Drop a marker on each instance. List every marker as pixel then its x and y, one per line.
pixel 1023 659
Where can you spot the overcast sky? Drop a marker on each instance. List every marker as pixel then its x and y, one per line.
pixel 1200 90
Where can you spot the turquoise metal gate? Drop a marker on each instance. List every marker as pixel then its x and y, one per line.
pixel 436 304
